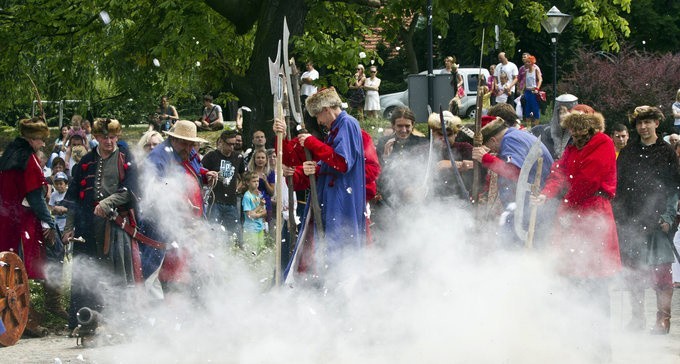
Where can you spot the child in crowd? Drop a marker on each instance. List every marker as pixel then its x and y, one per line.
pixel 260 165
pixel 502 93
pixel 254 210
pixel 59 211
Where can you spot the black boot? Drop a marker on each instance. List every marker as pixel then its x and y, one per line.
pixel 664 297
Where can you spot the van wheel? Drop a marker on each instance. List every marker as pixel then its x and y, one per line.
pixel 388 112
pixel 471 112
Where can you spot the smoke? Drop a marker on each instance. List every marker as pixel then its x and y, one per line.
pixel 436 289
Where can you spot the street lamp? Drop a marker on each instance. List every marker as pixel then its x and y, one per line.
pixel 554 24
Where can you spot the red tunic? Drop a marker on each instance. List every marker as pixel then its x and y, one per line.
pixel 18 223
pixel 176 262
pixel 585 235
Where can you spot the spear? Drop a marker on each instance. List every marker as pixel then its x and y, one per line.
pixel 477 166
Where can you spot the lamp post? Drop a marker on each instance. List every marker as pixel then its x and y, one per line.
pixel 554 24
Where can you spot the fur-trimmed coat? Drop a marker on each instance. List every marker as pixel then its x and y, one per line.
pixel 584 235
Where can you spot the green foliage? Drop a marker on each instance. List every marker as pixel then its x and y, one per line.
pixel 72 55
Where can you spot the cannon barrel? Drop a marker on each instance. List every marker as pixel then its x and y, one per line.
pixel 88 318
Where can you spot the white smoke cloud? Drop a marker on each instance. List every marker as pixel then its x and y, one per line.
pixel 436 290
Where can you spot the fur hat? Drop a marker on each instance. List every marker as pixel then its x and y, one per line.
pixel 453 122
pixel 578 121
pixel 106 126
pixel 645 113
pixel 33 128
pixel 326 97
pixel 492 129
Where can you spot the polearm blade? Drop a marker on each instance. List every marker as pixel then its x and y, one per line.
pixel 295 107
pixel 276 85
pixel 278 189
pixel 524 186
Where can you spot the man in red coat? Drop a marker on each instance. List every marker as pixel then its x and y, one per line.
pixel 26 226
pixel 585 238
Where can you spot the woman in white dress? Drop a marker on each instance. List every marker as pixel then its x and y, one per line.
pixel 372 85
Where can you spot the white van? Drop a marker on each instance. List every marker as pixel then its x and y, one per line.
pixel 418 100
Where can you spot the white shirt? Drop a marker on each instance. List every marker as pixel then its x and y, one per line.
pixel 510 69
pixel 307 89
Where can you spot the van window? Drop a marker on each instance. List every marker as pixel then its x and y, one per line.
pixel 472 82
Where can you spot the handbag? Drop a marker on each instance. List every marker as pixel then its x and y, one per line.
pixel 461 92
pixel 542 96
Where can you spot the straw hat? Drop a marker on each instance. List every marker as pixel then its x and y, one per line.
pixel 186 130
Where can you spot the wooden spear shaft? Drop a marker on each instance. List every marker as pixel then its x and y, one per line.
pixel 534 208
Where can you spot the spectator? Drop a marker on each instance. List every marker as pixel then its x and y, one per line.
pixel 255 211
pixel 308 88
pixel 260 165
pixel 357 95
pixel 676 112
pixel 150 140
pixel 646 205
pixel 619 135
pixel 60 145
pixel 212 115
pixel 510 69
pixel 372 86
pixel 229 167
pixel 90 142
pixel 491 83
pixel 167 114
pixel 56 207
pixel 451 67
pixel 76 148
pixel 504 90
pixel 531 82
pixel 259 142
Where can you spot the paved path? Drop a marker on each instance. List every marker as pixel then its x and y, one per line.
pixel 627 349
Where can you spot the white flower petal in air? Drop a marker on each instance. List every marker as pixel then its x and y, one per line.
pixel 362 55
pixel 156 62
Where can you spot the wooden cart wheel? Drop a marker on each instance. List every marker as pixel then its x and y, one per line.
pixel 14 297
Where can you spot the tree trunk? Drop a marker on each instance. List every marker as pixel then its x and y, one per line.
pixel 255 91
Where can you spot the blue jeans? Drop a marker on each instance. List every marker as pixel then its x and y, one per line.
pixel 227 216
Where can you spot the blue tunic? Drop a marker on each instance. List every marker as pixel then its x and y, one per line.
pixel 342 196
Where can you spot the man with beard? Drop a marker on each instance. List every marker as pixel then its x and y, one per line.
pixel 100 188
pixel 645 207
pixel 26 226
pixel 174 161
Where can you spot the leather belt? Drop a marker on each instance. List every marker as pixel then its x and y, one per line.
pixel 131 230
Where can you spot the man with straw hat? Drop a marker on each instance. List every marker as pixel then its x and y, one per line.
pixel 173 161
pixel 100 189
